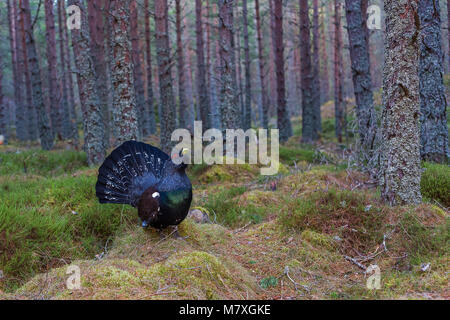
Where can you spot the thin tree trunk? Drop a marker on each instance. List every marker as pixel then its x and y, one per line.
pixel 189 81
pixel 316 67
pixel 248 83
pixel 43 123
pixel 338 73
pixel 168 108
pixel 229 108
pixel 433 105
pixel 70 111
pixel 400 169
pixel 325 83
pixel 17 63
pixel 3 109
pixel 362 80
pixel 262 72
pixel 214 99
pixel 53 87
pixel 69 123
pixel 448 33
pixel 94 135
pixel 309 125
pixel 183 105
pixel 238 69
pixel 201 75
pixel 97 29
pixel 137 70
pixel 283 121
pixel 150 98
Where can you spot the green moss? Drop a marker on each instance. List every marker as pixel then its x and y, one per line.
pixel 37 224
pixel 435 183
pixel 318 239
pixel 45 163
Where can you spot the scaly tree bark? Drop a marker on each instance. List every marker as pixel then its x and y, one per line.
pixel 283 121
pixel 137 70
pixel 229 109
pixel 124 101
pixel 248 83
pixel 97 33
pixel 16 52
pixel 316 67
pixel 262 72
pixel 43 123
pixel 309 122
pixel 400 168
pixel 183 105
pixel 53 87
pixel 168 109
pixel 201 74
pixel 150 104
pixel 338 73
pixel 433 105
pixel 94 134
pixel 362 80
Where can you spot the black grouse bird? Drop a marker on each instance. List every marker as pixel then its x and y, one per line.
pixel 145 177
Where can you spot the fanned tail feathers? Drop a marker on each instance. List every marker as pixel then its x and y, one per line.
pixel 128 171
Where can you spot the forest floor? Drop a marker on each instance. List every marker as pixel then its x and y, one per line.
pixel 307 233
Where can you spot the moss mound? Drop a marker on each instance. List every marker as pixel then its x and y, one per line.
pixel 435 183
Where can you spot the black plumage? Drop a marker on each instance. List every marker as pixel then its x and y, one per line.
pixel 145 177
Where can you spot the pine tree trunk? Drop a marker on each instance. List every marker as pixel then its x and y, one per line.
pixel 213 94
pixel 124 101
pixel 53 87
pixel 69 111
pixel 201 75
pixel 262 73
pixel 362 80
pixel 400 169
pixel 94 134
pixel 433 104
pixel 3 109
pixel 96 29
pixel 38 106
pixel 309 125
pixel 183 105
pixel 325 82
pixel 448 32
pixel 150 103
pixel 316 67
pixel 283 121
pixel 69 123
pixel 168 108
pixel 137 70
pixel 238 65
pixel 189 81
pixel 248 83
pixel 229 109
pixel 338 73
pixel 21 129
